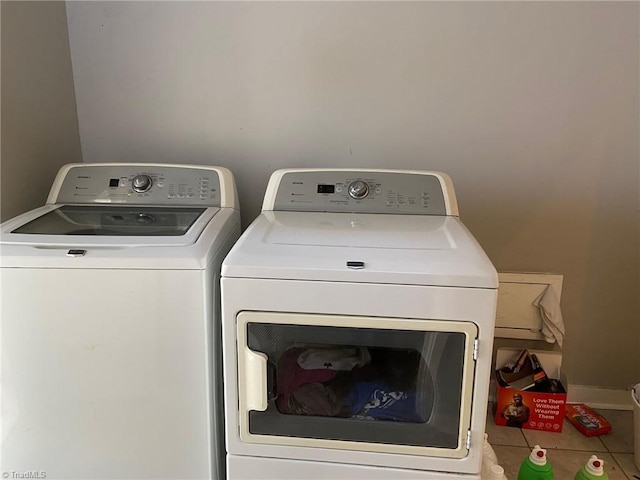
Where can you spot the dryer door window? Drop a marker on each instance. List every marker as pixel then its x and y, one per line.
pixel 373 384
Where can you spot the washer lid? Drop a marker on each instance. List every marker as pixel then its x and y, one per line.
pixel 110 220
pixel 368 248
pixel 113 225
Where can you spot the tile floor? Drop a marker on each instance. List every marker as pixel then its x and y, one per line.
pixel 568 451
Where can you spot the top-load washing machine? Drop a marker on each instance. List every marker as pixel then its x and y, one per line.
pixel 111 336
pixel 358 316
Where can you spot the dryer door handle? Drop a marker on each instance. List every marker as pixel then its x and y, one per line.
pixel 256 385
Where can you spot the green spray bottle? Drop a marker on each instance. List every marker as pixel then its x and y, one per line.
pixel 593 470
pixel 536 466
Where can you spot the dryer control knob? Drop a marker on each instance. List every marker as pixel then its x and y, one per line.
pixel 141 183
pixel 358 189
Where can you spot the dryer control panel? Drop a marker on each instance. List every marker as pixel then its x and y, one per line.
pixel 362 191
pixel 140 184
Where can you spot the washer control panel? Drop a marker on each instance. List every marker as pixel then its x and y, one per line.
pixel 140 184
pixel 367 191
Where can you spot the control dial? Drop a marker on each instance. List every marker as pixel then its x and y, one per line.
pixel 358 189
pixel 141 183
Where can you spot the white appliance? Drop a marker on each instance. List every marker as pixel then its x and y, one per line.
pixel 111 362
pixel 358 317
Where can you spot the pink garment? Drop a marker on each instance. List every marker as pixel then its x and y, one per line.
pixel 290 376
pixel 315 399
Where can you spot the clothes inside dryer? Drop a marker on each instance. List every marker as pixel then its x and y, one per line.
pixel 352 382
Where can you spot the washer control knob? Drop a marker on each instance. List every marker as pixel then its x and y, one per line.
pixel 141 183
pixel 358 189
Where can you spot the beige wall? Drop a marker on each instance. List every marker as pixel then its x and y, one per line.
pixel 39 119
pixel 532 107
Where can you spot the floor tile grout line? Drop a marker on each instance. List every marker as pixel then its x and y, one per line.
pixel 615 460
pixel 604 445
pixel 617 463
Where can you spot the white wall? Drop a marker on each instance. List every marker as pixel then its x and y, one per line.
pixel 531 107
pixel 39 118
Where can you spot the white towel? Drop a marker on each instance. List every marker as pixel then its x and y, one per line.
pixel 552 323
pixel 636 394
pixel 338 358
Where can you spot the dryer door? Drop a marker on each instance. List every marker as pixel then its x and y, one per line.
pixel 356 383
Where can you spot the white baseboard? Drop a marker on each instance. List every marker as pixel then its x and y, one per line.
pixel 600 398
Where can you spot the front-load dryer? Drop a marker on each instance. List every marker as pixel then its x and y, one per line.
pixel 111 363
pixel 358 316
